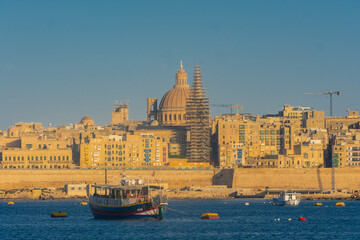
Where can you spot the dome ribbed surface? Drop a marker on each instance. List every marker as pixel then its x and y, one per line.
pixel 175 98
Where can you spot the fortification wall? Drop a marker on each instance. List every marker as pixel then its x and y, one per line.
pixel 17 179
pixel 176 179
pixel 296 178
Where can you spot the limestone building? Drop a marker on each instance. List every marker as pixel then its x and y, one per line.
pixel 120 114
pixel 37 152
pixel 127 151
pixel 345 148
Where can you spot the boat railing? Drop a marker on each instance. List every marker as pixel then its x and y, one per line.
pixel 106 201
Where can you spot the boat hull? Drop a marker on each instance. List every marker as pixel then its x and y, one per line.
pixel 279 202
pixel 139 210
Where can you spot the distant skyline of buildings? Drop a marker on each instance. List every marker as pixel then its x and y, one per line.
pixel 178 133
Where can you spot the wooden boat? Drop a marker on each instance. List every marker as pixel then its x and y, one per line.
pixel 125 201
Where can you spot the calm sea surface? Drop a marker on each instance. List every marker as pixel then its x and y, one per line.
pixel 31 220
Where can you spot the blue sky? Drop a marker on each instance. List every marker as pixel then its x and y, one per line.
pixel 62 60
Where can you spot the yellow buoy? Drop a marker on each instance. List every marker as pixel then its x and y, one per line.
pixel 83 203
pixel 318 204
pixel 10 203
pixel 210 216
pixel 247 204
pixel 340 204
pixel 58 214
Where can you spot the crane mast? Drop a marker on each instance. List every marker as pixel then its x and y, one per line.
pixel 330 93
pixel 228 106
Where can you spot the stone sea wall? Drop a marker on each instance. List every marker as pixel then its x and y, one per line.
pixel 176 179
pixel 297 178
pixel 18 179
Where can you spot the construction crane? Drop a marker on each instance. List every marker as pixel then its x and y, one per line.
pixel 330 93
pixel 228 106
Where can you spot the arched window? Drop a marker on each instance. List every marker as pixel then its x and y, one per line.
pixel 179 117
pixel 174 117
pixel 165 117
pixel 169 117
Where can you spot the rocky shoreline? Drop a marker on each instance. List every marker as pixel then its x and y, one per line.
pixel 60 194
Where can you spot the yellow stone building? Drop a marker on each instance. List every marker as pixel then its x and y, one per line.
pixel 351 121
pixel 36 159
pixel 293 138
pixel 128 151
pixel 345 148
pixel 35 151
pixel 120 114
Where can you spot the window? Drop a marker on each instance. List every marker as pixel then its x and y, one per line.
pixel 179 117
pixel 169 117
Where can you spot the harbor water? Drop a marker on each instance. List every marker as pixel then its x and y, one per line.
pixel 258 219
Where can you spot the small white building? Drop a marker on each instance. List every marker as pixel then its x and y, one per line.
pixel 80 190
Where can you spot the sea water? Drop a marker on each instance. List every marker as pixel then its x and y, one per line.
pixel 258 220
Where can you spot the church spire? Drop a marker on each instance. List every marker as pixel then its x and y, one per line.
pixel 181 77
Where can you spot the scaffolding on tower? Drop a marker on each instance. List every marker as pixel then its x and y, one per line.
pixel 198 121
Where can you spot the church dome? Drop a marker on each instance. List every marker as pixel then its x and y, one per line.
pixel 172 107
pixel 175 98
pixel 154 123
pixel 87 121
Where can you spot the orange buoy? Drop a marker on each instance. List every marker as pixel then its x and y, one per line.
pixel 302 219
pixel 340 204
pixel 210 215
pixel 10 203
pixel 83 203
